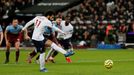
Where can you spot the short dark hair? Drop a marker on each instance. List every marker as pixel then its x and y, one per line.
pixel 58 17
pixel 49 13
pixel 14 19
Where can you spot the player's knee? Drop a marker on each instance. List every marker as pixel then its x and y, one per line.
pixel 8 49
pixel 48 42
pixel 17 44
pixel 17 47
pixel 42 51
pixel 8 46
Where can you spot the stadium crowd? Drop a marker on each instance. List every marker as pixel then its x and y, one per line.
pixel 9 7
pixel 92 19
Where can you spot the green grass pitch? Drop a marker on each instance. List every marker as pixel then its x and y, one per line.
pixel 85 62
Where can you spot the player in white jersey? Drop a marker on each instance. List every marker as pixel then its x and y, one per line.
pixel 64 40
pixel 40 22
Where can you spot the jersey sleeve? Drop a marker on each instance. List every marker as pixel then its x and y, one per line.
pixel 53 30
pixel 49 24
pixel 7 28
pixel 1 29
pixel 20 26
pixel 57 29
pixel 29 24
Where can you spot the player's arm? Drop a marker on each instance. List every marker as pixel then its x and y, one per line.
pixel 26 35
pixel 57 29
pixel 28 24
pixel 1 37
pixel 23 33
pixel 54 38
pixel 49 24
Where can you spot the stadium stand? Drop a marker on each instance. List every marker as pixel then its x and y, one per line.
pixel 48 5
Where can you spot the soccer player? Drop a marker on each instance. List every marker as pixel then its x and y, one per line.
pixel 64 40
pixel 13 35
pixel 40 23
pixel 1 35
pixel 49 34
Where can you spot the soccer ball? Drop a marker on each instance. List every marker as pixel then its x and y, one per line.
pixel 108 64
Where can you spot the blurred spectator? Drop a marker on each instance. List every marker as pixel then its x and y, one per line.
pixel 9 7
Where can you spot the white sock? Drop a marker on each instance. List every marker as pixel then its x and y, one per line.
pixel 35 50
pixel 42 60
pixel 72 49
pixel 57 48
pixel 49 53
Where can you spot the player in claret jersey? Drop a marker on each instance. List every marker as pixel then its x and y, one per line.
pixel 13 35
pixel 40 23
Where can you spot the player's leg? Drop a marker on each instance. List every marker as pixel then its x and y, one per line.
pixel 55 47
pixel 58 48
pixel 8 44
pixel 55 53
pixel 49 56
pixel 37 59
pixel 31 55
pixel 17 46
pixel 65 44
pixel 42 60
pixel 40 48
pixel 52 53
pixel 68 46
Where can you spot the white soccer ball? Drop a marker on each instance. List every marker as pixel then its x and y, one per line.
pixel 108 64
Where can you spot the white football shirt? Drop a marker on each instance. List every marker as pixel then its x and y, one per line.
pixel 39 27
pixel 67 29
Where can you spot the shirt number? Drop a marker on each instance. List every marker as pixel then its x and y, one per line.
pixel 37 23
